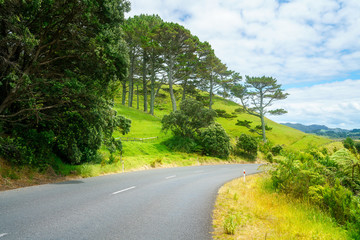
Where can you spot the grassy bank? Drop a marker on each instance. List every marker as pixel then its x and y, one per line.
pixel 252 210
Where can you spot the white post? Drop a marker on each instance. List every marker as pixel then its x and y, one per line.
pixel 244 176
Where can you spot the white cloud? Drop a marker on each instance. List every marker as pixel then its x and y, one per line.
pixel 332 104
pixel 299 42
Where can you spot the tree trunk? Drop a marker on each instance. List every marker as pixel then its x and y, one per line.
pixel 152 85
pixel 137 96
pixel 171 90
pixel 262 116
pixel 184 90
pixel 123 93
pixel 131 80
pixel 263 127
pixel 144 83
pixel 211 91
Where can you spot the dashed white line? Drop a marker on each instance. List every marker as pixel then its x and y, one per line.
pixel 201 171
pixel 3 234
pixel 126 189
pixel 169 177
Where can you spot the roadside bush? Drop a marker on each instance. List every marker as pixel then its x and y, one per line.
pixel 215 141
pixel 265 147
pixel 276 150
pixel 33 148
pixel 188 121
pixel 247 144
pixel 269 157
pixel 330 182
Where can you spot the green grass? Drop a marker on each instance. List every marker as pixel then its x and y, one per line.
pixel 145 125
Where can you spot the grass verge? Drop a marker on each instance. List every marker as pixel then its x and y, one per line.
pixel 252 210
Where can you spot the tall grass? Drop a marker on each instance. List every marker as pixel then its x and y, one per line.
pixel 252 210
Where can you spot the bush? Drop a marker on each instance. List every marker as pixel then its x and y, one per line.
pixel 348 143
pixel 265 147
pixel 188 121
pixel 222 113
pixel 276 150
pixel 270 157
pixel 247 144
pixel 215 141
pixel 33 148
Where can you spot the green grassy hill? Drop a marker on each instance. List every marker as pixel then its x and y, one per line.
pixel 144 125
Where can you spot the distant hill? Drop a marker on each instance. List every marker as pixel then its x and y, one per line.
pixel 323 130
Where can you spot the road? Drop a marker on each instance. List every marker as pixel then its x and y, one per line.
pixel 171 203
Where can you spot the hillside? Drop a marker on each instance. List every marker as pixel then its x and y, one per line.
pixel 144 125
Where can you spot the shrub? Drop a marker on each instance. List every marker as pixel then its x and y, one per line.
pixel 215 141
pixel 348 143
pixel 270 157
pixel 265 147
pixel 357 146
pixel 247 144
pixel 188 121
pixel 276 150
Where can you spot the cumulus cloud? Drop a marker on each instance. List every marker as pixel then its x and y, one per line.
pixel 332 104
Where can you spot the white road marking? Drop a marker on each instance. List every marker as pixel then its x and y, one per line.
pixel 3 234
pixel 201 171
pixel 173 176
pixel 126 189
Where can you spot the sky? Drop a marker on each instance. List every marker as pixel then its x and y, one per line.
pixel 312 48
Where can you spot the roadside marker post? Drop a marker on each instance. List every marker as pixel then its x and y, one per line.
pixel 244 176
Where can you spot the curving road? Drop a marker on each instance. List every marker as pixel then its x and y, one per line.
pixel 173 203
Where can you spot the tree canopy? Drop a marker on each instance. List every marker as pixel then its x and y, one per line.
pixel 60 65
pixel 257 94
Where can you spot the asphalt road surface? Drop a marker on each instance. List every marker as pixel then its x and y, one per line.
pixel 172 203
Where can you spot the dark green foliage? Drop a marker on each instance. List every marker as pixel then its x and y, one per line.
pixel 247 144
pixel 194 130
pixel 257 129
pixel 60 65
pixel 349 143
pixel 224 114
pixel 357 146
pixel 269 157
pixel 188 121
pixel 276 150
pixel 215 141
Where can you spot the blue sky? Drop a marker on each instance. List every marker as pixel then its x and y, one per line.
pixel 311 47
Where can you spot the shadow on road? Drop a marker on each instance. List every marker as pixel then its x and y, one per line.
pixel 70 182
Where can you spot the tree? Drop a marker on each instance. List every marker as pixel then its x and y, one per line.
pixel 257 95
pixel 175 41
pixel 188 121
pixel 60 65
pixel 210 69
